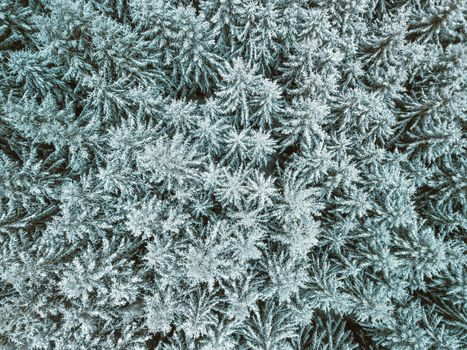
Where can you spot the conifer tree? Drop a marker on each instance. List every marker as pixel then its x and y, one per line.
pixel 233 174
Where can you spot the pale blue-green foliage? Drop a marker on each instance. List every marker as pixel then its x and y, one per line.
pixel 233 174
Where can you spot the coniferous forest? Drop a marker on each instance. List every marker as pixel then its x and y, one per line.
pixel 233 174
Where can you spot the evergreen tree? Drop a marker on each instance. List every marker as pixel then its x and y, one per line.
pixel 233 174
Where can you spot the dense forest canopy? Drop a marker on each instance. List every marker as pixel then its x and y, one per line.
pixel 233 174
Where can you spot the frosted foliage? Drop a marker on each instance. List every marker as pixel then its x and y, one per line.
pixel 233 174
